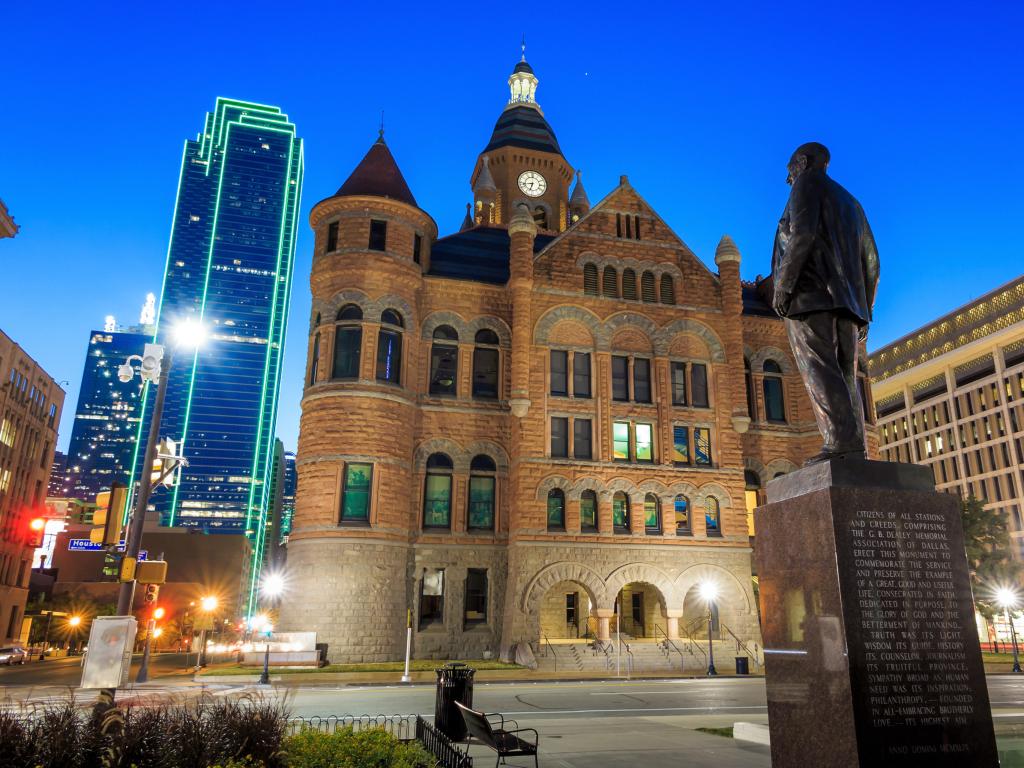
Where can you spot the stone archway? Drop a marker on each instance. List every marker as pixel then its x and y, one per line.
pixel 647 597
pixel 733 603
pixel 545 607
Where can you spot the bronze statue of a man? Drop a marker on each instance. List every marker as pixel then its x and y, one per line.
pixel 825 270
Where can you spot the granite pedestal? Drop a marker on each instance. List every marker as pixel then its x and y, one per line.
pixel 871 650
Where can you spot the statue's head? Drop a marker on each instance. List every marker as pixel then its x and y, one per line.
pixel 809 155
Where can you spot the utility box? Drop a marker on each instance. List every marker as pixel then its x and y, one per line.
pixel 109 657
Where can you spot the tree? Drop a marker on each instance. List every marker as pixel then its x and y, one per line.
pixel 989 555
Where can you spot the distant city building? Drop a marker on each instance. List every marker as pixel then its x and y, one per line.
pixel 30 406
pixel 229 266
pixel 950 395
pixel 57 485
pixel 107 416
pixel 288 495
pixel 7 226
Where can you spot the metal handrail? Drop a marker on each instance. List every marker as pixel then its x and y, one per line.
pixel 629 659
pixel 740 645
pixel 547 642
pixel 694 645
pixel 670 644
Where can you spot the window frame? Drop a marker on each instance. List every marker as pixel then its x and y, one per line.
pixel 332 238
pixel 562 421
pixel 443 346
pixel 576 422
pixel 685 429
pixel 624 378
pixel 642 382
pixel 629 441
pixel 437 617
pixel 584 527
pixel 491 350
pixel 478 475
pixel 390 332
pixel 656 529
pixel 710 461
pixel 363 521
pixel 442 472
pixel 695 401
pixel 582 373
pixel 625 528
pixel 378 237
pixel 716 531
pixel 555 494
pixel 636 442
pixel 558 376
pixel 686 530
pixel 482 596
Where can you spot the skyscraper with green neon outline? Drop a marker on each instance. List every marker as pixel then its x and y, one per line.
pixel 229 266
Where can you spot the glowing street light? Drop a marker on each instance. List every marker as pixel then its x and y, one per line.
pixel 273 585
pixel 1008 599
pixel 208 603
pixel 154 368
pixel 74 621
pixel 708 591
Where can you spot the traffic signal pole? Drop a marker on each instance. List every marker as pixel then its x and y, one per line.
pixel 138 518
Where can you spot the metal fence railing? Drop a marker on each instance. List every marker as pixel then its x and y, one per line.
pixel 440 746
pixel 402 727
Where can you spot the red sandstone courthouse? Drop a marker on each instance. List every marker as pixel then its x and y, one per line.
pixel 518 430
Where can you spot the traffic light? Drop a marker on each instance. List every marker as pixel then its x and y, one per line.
pixel 152 592
pixel 151 571
pixel 36 528
pixel 109 515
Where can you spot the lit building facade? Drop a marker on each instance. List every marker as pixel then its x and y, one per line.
pixel 30 407
pixel 107 416
pixel 521 429
pixel 950 395
pixel 229 267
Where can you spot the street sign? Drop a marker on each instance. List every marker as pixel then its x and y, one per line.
pixel 203 621
pixel 85 545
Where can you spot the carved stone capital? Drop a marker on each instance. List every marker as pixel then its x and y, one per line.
pixel 740 424
pixel 520 406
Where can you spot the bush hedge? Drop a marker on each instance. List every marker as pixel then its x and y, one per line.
pixel 244 732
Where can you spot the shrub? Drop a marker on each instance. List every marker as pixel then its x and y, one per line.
pixel 345 748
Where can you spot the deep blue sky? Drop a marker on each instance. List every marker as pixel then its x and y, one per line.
pixel 919 103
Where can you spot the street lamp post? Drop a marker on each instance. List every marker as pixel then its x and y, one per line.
pixel 1007 598
pixel 272 588
pixel 151 633
pixel 709 592
pixel 208 605
pixel 154 366
pixel 1013 638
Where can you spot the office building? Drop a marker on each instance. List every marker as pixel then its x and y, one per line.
pixel 30 407
pixel 950 395
pixel 229 267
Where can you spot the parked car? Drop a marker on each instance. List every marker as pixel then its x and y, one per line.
pixel 13 654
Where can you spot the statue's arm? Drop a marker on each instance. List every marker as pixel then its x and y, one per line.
pixel 804 212
pixel 870 264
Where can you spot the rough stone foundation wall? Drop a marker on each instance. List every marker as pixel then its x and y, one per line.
pixel 354 597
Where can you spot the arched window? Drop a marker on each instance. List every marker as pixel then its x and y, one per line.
pixel 485 365
pixel 751 496
pixel 652 515
pixel 556 510
pixel 389 347
pixel 774 405
pixel 588 511
pixel 749 378
pixel 620 512
pixel 481 494
pixel 712 516
pixel 647 292
pixel 315 364
pixel 437 492
pixel 610 282
pixel 348 340
pixel 444 361
pixel 590 279
pixel 681 505
pixel 629 284
pixel 540 217
pixel 668 290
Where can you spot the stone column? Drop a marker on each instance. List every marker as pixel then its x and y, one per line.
pixel 672 617
pixel 522 232
pixel 604 616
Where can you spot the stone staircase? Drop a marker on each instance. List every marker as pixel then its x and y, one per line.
pixel 642 656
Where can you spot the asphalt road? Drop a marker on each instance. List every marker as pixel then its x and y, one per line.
pixel 67 672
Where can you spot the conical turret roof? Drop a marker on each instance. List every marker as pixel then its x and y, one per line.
pixel 579 194
pixel 378 175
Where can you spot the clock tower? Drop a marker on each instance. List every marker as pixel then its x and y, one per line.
pixel 522 163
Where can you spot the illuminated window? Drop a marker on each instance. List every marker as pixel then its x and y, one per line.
pixel 556 510
pixel 437 492
pixel 620 512
pixel 681 505
pixel 355 500
pixel 652 515
pixel 588 511
pixel 620 441
pixel 702 446
pixel 680 445
pixel 481 493
pixel 644 442
pixel 712 516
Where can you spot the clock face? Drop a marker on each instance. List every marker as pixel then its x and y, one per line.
pixel 532 183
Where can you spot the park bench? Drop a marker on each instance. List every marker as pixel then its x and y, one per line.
pixel 505 743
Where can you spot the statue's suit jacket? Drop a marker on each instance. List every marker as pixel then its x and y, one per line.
pixel 824 253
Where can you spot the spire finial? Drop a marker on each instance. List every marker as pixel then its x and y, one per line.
pixel 524 48
pixel 380 132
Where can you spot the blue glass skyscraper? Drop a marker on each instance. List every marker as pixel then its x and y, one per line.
pixel 229 267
